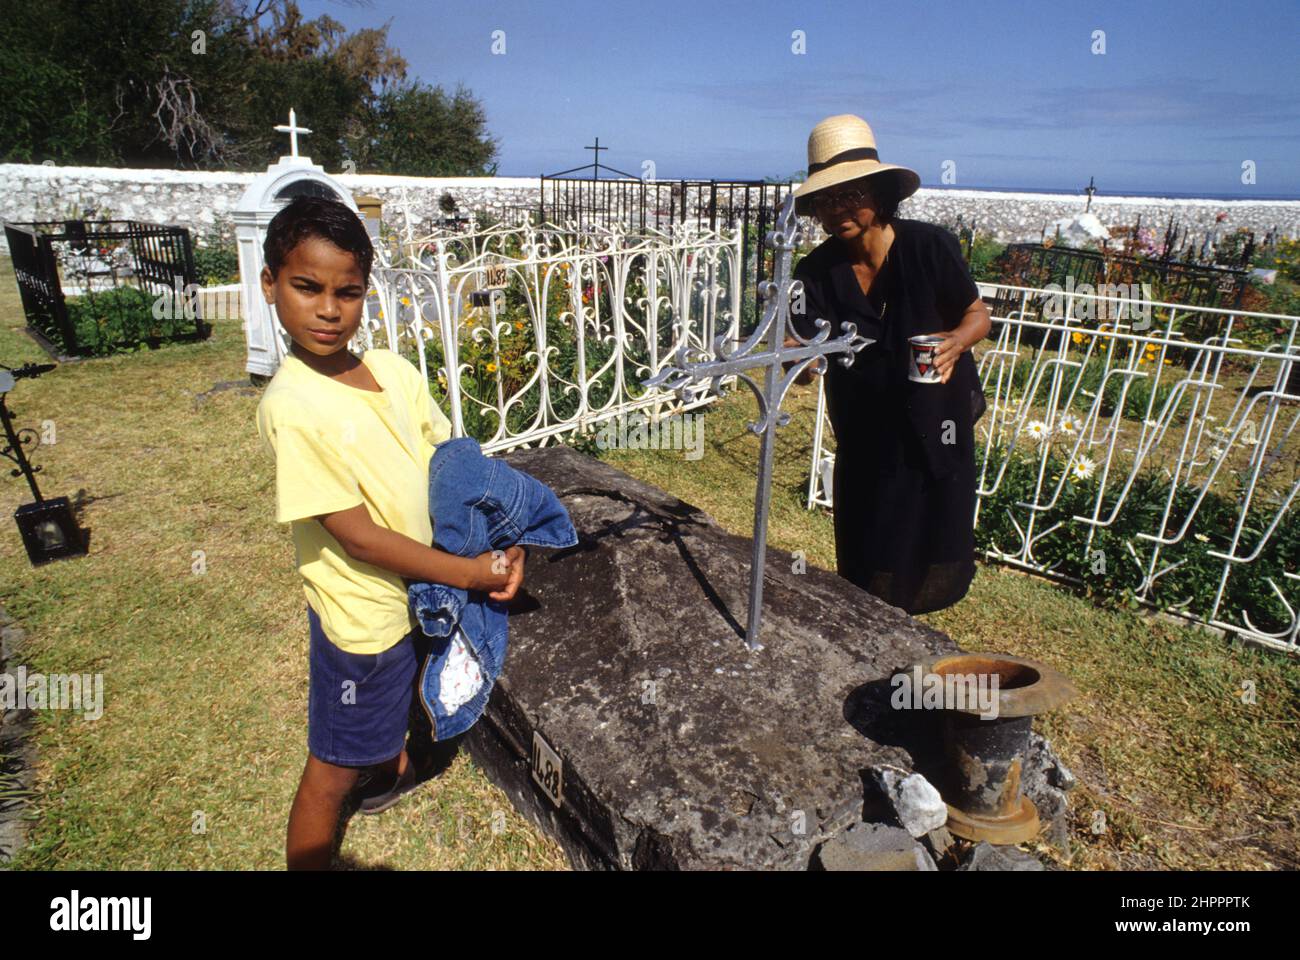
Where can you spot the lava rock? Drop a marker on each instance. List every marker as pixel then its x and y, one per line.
pixel 940 843
pixel 985 857
pixel 874 846
pixel 1045 779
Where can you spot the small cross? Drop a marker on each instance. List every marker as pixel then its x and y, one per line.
pixel 1089 190
pixel 764 348
pixel 292 130
pixel 597 148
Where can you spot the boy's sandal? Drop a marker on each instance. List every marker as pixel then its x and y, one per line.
pixel 378 797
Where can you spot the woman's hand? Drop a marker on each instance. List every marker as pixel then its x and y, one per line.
pixel 946 353
pixel 974 327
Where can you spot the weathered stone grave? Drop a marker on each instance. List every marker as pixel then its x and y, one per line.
pixel 633 723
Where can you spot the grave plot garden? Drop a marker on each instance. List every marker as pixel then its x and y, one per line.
pixel 90 288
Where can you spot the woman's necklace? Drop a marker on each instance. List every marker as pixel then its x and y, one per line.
pixel 884 303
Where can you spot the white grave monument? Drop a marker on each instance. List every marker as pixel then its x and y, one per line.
pixel 293 176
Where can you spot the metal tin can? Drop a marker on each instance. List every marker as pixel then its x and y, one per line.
pixel 922 358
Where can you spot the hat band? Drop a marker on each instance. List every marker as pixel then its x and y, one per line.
pixel 857 153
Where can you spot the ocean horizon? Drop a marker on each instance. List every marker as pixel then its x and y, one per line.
pixel 1151 194
pixel 1140 193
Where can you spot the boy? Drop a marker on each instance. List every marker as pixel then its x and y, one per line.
pixel 352 438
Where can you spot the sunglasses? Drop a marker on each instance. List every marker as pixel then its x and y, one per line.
pixel 840 200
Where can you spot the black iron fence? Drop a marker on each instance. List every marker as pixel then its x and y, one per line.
pixel 90 288
pixel 1195 284
pixel 751 206
pixel 1129 282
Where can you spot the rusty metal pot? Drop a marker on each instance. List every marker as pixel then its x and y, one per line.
pixel 986 754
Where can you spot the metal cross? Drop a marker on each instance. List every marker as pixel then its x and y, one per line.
pixel 1090 189
pixel 764 348
pixel 597 148
pixel 292 130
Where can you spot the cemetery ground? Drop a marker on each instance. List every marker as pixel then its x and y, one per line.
pixel 195 759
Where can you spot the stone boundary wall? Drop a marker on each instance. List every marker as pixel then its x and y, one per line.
pixel 203 201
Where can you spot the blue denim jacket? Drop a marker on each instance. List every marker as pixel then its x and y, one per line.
pixel 477 504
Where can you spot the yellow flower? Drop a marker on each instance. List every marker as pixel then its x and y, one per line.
pixel 1077 337
pixel 519 324
pixel 406 301
pixel 491 368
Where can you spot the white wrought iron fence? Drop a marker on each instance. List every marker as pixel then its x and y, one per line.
pixel 531 332
pixel 1142 448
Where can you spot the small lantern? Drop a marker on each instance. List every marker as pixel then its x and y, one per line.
pixel 49 530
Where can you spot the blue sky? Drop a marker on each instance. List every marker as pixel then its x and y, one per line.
pixel 1011 92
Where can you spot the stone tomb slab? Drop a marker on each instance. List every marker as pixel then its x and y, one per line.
pixel 677 747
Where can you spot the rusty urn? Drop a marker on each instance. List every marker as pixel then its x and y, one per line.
pixel 985 741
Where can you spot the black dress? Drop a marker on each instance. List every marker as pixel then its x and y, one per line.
pixel 904 484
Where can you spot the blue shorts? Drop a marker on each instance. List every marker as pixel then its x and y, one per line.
pixel 362 722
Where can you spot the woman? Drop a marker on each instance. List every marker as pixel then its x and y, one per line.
pixel 904 484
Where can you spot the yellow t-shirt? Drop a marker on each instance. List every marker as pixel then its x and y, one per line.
pixel 336 446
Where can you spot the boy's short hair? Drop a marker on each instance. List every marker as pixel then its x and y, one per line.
pixel 330 220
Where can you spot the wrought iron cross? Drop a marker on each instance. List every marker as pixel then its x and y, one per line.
pixel 597 148
pixel 292 130
pixel 764 348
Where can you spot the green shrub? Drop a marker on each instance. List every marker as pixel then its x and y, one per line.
pixel 984 252
pixel 215 264
pixel 122 319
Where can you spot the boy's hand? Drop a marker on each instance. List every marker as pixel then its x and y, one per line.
pixel 514 556
pixel 499 573
pixel 491 572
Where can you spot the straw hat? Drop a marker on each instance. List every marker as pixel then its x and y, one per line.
pixel 843 148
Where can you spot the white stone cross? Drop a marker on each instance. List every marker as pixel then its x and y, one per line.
pixel 765 348
pixel 292 130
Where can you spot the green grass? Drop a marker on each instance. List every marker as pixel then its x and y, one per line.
pixel 205 675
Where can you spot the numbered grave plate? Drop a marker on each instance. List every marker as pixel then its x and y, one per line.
pixel 548 771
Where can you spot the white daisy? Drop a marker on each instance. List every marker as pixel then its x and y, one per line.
pixel 1069 424
pixel 1037 431
pixel 1083 468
